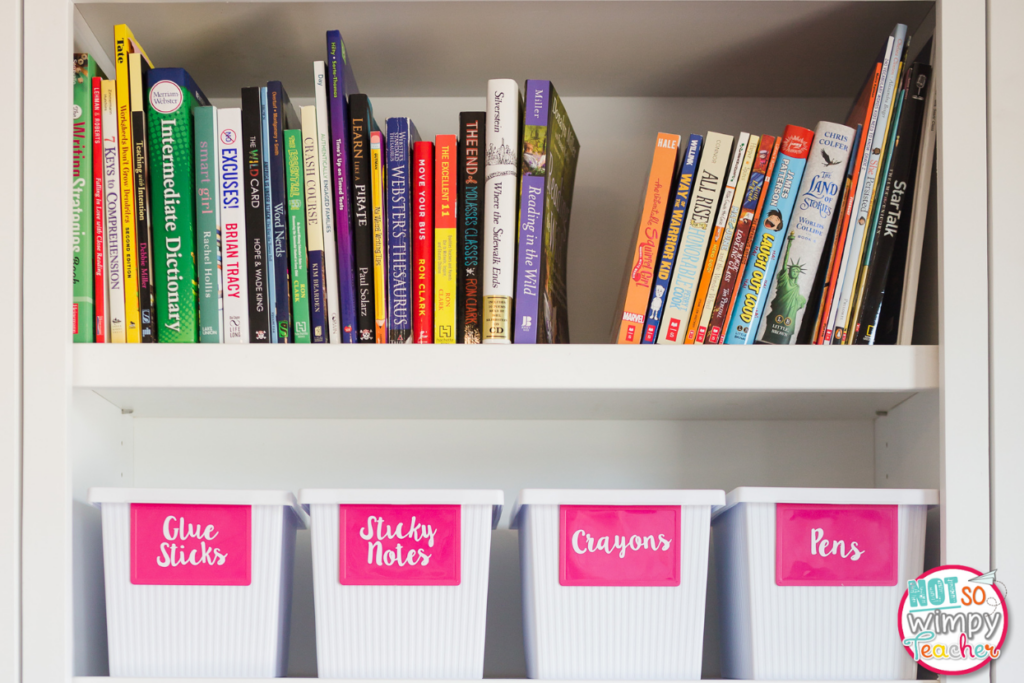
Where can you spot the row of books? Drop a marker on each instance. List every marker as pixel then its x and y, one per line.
pixel 810 237
pixel 263 224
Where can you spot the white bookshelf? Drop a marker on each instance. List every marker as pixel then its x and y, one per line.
pixel 585 415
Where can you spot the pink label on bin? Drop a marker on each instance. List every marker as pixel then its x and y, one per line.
pixel 836 545
pixel 400 545
pixel 619 545
pixel 191 545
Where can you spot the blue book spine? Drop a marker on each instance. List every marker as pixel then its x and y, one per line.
pixel 670 246
pixel 268 216
pixel 340 83
pixel 279 210
pixel 770 236
pixel 400 136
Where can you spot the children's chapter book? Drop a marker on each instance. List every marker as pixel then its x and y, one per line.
pixel 313 197
pixel 234 243
pixel 445 240
pixel 423 242
pixel 471 180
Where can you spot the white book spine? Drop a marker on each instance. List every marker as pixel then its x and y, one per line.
pixel 112 214
pixel 332 305
pixel 816 201
pixel 501 177
pixel 693 243
pixel 230 193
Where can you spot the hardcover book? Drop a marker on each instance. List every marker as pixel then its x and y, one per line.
pixel 670 239
pixel 332 307
pixel 469 299
pixel 360 114
pixel 83 315
pixel 124 45
pixel 313 194
pixel 639 277
pixel 401 134
pixel 255 218
pixel 296 236
pixel 211 299
pixel 112 213
pixel 445 239
pixel 380 269
pixel 234 237
pixel 172 95
pixel 341 82
pixel 280 115
pixel 101 304
pixel 770 235
pixel 501 190
pixel 816 200
pixel 423 243
pixel 138 70
pixel 707 187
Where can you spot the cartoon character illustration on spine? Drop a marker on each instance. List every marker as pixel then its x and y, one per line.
pixel 788 300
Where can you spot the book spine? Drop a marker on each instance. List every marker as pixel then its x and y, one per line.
pixel 83 314
pixel 255 218
pixel 468 299
pixel 129 243
pixel 533 165
pixel 769 236
pixel 445 239
pixel 278 206
pixel 380 270
pixel 234 242
pixel 100 302
pixel 332 308
pixel 670 239
pixel 211 299
pixel 736 258
pixel 268 215
pixel 398 240
pixel 112 214
pixel 313 192
pixel 725 205
pixel 726 243
pixel 337 62
pixel 809 223
pixel 361 120
pixel 297 236
pixel 143 218
pixel 501 180
pixel 423 243
pixel 636 294
pixel 693 243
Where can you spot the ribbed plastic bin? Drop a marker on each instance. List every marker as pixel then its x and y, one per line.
pixel 198 583
pixel 400 581
pixel 810 581
pixel 614 582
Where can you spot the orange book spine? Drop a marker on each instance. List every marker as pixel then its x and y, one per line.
pixel 648 238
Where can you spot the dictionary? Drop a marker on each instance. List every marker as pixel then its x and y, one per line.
pixel 470 172
pixel 255 218
pixel 298 272
pixel 445 242
pixel 211 301
pixel 234 250
pixel 360 114
pixel 172 95
pixel 423 243
pixel 82 300
pixel 112 213
pixel 401 134
pixel 313 198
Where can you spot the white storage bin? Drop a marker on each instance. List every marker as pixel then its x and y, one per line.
pixel 400 581
pixel 810 581
pixel 198 583
pixel 614 582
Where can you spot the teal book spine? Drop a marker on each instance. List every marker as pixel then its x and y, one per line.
pixel 211 299
pixel 82 277
pixel 297 236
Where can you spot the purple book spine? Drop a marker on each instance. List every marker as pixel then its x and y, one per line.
pixel 531 211
pixel 340 82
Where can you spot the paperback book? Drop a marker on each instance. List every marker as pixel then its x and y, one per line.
pixel 380 260
pixel 361 125
pixel 423 242
pixel 234 244
pixel 83 315
pixel 299 276
pixel 112 213
pixel 445 241
pixel 211 299
pixel 313 198
pixel 332 308
pixel 470 193
pixel 255 217
pixel 138 70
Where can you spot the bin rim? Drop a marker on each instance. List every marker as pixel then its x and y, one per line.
pixel 493 497
pixel 99 495
pixel 714 498
pixel 828 496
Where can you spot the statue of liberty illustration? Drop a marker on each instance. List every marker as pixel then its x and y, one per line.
pixel 788 300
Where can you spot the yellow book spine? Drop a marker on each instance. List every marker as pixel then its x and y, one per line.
pixel 445 243
pixel 380 300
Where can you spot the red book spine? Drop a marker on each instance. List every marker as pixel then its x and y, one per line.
pixel 423 243
pixel 99 247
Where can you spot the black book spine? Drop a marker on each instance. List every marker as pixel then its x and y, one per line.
pixel 255 228
pixel 470 193
pixel 144 231
pixel 361 124
pixel 894 223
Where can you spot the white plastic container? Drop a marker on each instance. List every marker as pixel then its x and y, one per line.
pixel 614 582
pixel 810 581
pixel 400 581
pixel 225 610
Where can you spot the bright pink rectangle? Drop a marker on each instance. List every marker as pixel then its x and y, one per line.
pixel 191 545
pixel 619 545
pixel 400 545
pixel 836 545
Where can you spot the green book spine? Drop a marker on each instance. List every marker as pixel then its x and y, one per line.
pixel 171 97
pixel 211 302
pixel 297 235
pixel 82 302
